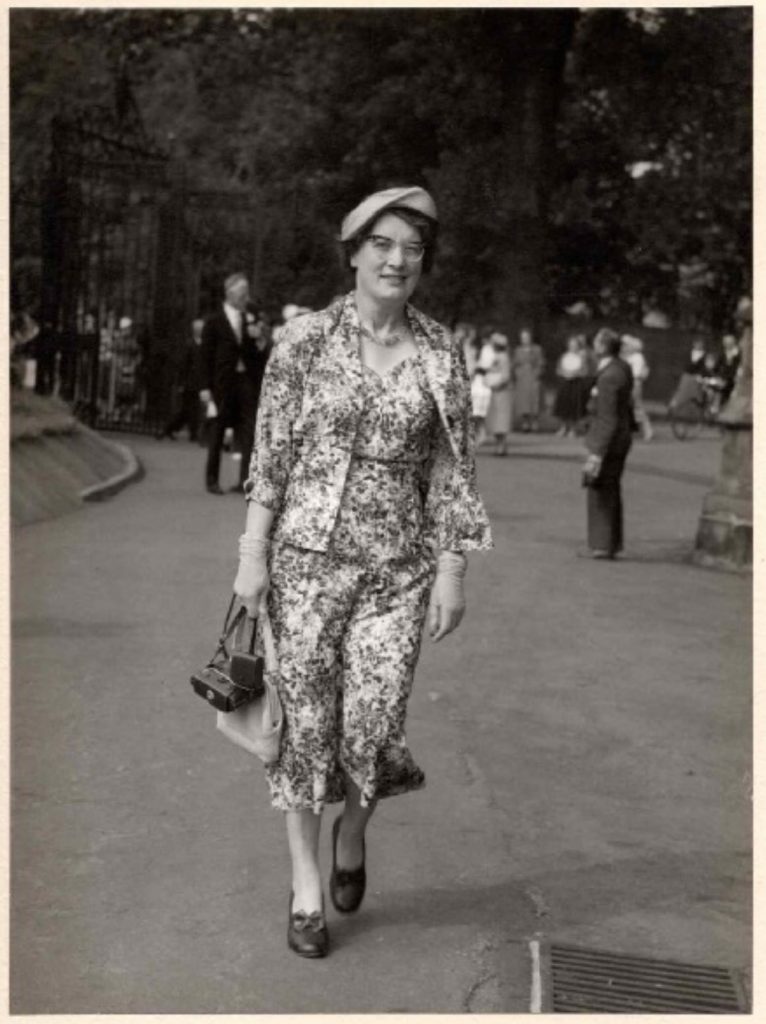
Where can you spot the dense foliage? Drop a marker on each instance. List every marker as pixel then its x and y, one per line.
pixel 667 95
pixel 530 126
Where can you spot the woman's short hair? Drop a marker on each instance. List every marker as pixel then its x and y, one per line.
pixel 425 226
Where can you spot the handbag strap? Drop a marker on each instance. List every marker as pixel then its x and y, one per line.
pixel 230 624
pixel 269 647
pixel 238 620
pixel 242 622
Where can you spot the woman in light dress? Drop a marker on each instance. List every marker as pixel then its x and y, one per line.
pixel 362 504
pixel 495 361
pixel 528 365
pixel 571 397
pixel 633 354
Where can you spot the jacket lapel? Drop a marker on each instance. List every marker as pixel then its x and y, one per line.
pixel 437 363
pixel 438 369
pixel 226 325
pixel 342 341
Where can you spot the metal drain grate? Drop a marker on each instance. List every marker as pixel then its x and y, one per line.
pixel 589 981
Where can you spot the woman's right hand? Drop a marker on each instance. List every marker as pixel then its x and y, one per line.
pixel 252 582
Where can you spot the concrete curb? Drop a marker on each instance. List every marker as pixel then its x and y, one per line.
pixel 132 472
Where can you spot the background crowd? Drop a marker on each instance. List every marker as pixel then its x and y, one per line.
pixel 514 387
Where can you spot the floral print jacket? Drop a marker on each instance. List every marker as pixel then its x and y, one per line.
pixel 308 415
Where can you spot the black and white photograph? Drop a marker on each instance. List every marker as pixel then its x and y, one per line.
pixel 380 425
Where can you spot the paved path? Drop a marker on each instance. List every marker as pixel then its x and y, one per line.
pixel 585 736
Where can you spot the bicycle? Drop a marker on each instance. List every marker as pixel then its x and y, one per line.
pixel 693 407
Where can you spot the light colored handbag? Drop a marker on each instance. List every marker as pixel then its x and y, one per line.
pixel 257 726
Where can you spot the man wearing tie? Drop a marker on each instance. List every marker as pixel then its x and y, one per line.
pixel 234 354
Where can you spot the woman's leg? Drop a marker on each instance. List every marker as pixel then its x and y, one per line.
pixel 380 651
pixel 479 430
pixel 350 850
pixel 643 420
pixel 303 839
pixel 308 604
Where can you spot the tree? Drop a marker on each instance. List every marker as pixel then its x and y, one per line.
pixel 655 156
pixel 530 126
pixel 312 109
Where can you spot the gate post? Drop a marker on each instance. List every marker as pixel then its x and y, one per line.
pixel 725 531
pixel 169 306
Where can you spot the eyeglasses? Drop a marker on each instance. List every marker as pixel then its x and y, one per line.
pixel 383 246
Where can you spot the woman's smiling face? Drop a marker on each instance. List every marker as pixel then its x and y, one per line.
pixel 388 276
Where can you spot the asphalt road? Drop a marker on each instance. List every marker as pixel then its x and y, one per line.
pixel 586 738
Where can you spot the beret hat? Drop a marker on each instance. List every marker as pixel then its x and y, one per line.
pixel 411 197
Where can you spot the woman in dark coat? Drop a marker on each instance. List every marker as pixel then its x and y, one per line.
pixel 608 441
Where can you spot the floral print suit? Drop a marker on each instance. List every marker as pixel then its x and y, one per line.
pixel 368 476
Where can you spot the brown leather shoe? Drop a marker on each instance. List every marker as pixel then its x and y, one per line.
pixel 307 934
pixel 346 887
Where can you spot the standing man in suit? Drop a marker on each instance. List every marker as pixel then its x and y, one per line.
pixel 234 354
pixel 187 387
pixel 608 441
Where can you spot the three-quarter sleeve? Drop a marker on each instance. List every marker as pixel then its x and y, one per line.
pixel 454 515
pixel 278 409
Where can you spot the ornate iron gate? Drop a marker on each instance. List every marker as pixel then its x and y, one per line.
pixel 130 255
pixel 102 208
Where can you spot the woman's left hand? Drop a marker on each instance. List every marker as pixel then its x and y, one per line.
pixel 447 606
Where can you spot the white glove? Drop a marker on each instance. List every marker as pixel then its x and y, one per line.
pixel 252 582
pixel 592 467
pixel 447 604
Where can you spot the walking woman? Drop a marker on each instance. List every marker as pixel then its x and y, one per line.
pixel 498 380
pixel 362 502
pixel 569 406
pixel 633 353
pixel 608 441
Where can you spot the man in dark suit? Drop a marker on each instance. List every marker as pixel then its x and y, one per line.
pixel 608 441
pixel 234 354
pixel 187 387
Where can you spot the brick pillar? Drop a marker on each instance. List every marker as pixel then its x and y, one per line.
pixel 725 530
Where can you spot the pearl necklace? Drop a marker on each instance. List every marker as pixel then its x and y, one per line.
pixel 388 342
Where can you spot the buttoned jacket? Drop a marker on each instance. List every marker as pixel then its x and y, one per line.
pixel 311 404
pixel 222 351
pixel 611 427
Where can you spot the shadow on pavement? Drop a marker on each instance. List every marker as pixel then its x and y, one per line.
pixel 639 886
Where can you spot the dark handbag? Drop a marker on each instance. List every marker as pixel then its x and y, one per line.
pixel 230 680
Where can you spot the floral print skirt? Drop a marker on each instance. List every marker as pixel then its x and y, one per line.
pixel 348 633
